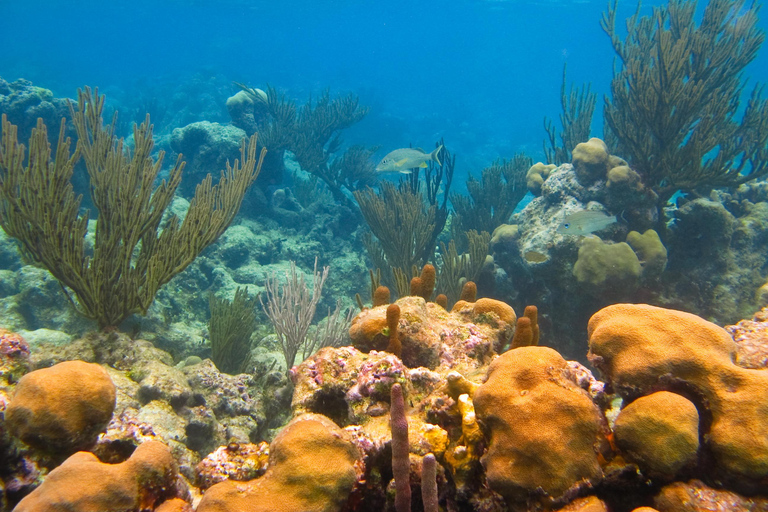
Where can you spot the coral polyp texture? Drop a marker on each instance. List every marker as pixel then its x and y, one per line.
pixel 544 431
pixel 84 484
pixel 641 349
pixel 62 408
pixel 312 467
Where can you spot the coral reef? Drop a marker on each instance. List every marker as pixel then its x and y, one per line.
pixel 476 426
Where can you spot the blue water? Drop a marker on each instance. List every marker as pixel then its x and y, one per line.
pixel 482 74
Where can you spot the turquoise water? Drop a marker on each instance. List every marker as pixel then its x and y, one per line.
pixel 482 74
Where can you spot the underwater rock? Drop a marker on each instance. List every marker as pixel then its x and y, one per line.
pixel 751 337
pixel 206 148
pixel 83 484
pixel 63 408
pixel 24 103
pixel 432 337
pixel 312 467
pixel 525 389
pixel 235 462
pixel 641 349
pixel 586 504
pixel 241 110
pixel 14 358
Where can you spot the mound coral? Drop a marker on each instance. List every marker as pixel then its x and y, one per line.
pixel 660 432
pixel 641 349
pixel 312 468
pixel 590 160
pixel 83 484
pixel 62 408
pixel 527 388
pixel 650 251
pixel 606 267
pixel 536 176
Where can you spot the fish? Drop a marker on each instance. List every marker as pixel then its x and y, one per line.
pixel 404 159
pixel 585 222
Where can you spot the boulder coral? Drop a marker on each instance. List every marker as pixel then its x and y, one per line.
pixel 83 484
pixel 606 268
pixel 641 349
pixel 312 468
pixel 659 432
pixel 536 175
pixel 590 160
pixel 63 408
pixel 650 251
pixel 544 431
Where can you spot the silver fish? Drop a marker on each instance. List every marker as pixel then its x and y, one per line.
pixel 585 222
pixel 405 159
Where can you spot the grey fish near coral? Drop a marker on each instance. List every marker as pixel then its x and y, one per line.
pixel 404 159
pixel 585 222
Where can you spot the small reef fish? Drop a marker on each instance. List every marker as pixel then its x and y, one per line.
pixel 405 159
pixel 585 222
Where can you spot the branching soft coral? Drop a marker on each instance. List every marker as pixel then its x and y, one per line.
pixel 674 110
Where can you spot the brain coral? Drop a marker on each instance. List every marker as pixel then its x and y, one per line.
pixel 312 468
pixel 62 408
pixel 641 349
pixel 83 484
pixel 543 429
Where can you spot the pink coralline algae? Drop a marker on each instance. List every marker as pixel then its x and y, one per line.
pixel 12 345
pixel 14 357
pixel 236 461
pixel 751 338
pixel 376 376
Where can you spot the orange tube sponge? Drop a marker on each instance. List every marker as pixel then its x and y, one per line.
pixel 532 312
pixel 416 287
pixel 428 278
pixel 401 461
pixel 442 301
pixel 393 319
pixel 523 333
pixel 469 292
pixel 381 296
